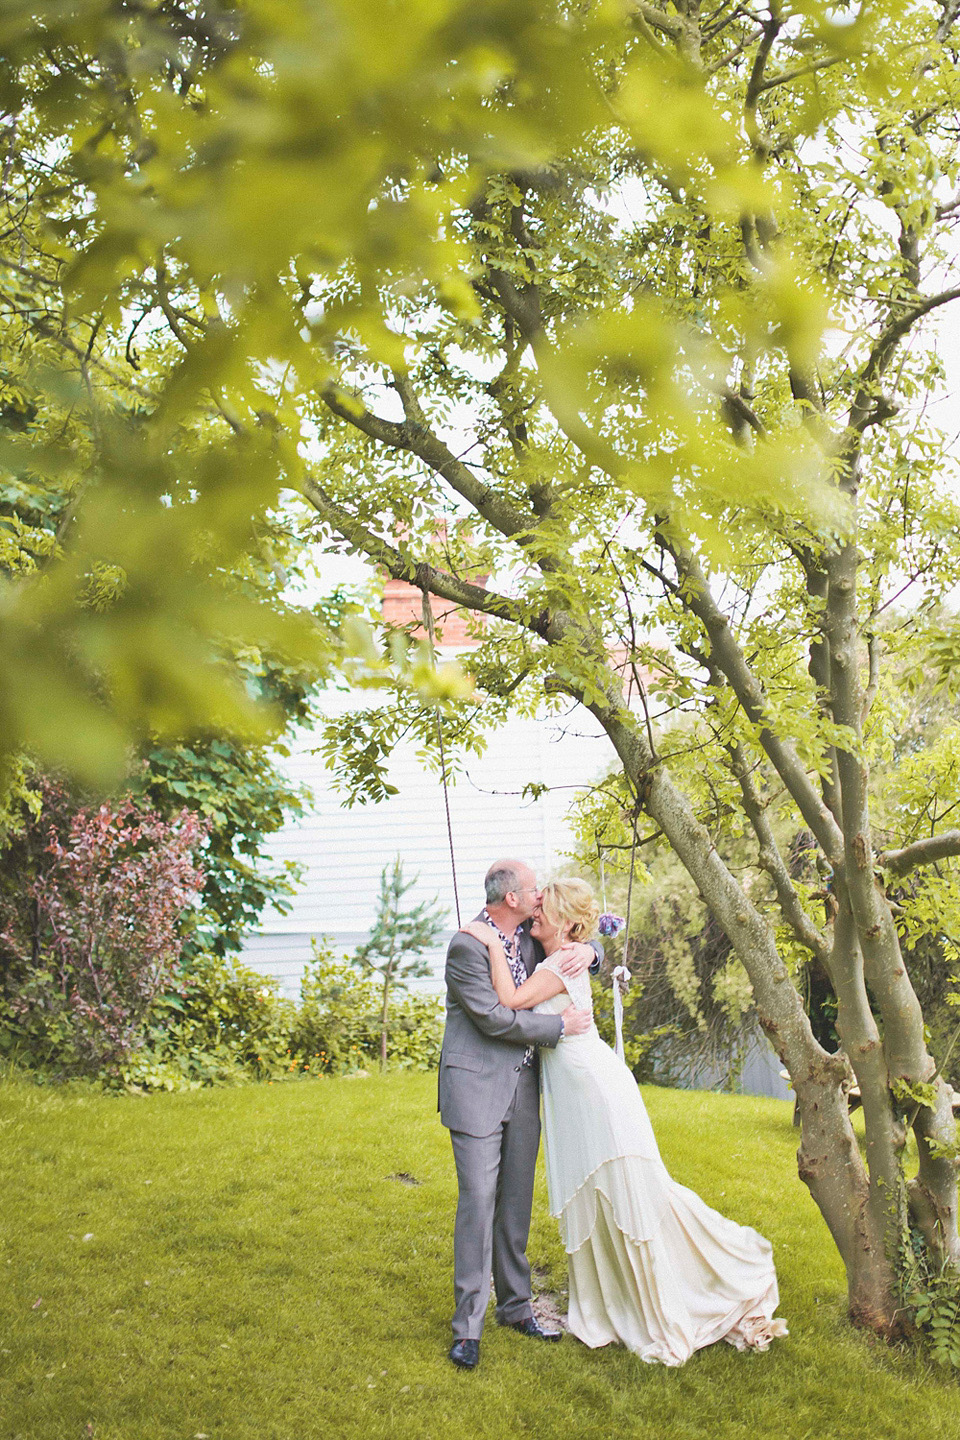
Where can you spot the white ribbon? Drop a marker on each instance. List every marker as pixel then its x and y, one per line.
pixel 621 979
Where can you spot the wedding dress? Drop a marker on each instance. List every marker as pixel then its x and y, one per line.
pixel 650 1265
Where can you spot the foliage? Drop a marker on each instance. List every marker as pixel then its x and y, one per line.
pixel 236 788
pixel 936 1310
pixel 20 799
pixel 641 1039
pixel 222 1023
pixel 416 1033
pixel 932 1299
pixel 236 796
pixel 335 1030
pixel 170 1014
pixel 150 354
pixel 98 935
pixel 219 1022
pixel 688 1014
pixel 243 797
pixel 685 974
pixel 394 951
pixel 338 1024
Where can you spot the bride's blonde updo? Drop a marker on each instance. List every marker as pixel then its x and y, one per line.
pixel 573 903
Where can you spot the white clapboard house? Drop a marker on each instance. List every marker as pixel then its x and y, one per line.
pixel 345 850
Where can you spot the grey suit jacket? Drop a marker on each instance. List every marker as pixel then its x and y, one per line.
pixel 484 1041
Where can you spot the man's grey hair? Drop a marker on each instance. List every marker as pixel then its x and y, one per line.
pixel 498 883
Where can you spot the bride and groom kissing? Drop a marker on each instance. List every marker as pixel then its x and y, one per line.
pixel 650 1265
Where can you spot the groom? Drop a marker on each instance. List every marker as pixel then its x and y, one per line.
pixel 490 1103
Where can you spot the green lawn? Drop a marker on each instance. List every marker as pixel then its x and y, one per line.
pixel 239 1265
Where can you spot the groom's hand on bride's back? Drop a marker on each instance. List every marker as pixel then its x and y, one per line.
pixel 576 1022
pixel 573 959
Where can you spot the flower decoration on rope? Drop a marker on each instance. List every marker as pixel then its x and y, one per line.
pixel 610 924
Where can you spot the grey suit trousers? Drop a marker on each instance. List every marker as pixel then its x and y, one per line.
pixel 495 1175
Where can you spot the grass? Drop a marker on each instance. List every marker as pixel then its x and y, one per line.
pixel 238 1265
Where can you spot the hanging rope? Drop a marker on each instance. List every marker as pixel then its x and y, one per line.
pixel 429 627
pixel 446 806
pixel 621 973
pixel 633 862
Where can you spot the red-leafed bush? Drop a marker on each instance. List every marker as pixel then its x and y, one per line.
pixel 101 933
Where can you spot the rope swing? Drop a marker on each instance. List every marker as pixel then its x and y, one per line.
pixel 428 625
pixel 621 974
pixel 621 977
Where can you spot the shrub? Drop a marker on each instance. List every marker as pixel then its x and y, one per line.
pixel 103 912
pixel 221 1023
pixel 639 1041
pixel 97 936
pixel 416 1033
pixel 337 1027
pixel 393 955
pixel 218 1023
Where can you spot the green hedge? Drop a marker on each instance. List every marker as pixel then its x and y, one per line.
pixel 222 1023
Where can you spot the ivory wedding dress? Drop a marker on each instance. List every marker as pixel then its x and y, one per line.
pixel 650 1265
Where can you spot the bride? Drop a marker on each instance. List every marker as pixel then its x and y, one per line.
pixel 650 1265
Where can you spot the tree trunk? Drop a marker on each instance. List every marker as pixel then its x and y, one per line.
pixel 384 1017
pixel 933 1194
pixel 853 1203
pixel 902 1055
pixel 863 1204
pixel 871 1269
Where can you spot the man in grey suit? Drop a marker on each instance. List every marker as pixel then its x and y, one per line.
pixel 490 1103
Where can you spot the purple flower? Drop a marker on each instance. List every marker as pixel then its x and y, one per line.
pixel 610 924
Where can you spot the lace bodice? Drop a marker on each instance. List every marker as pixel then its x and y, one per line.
pixel 577 991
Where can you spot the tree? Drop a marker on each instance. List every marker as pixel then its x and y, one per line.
pixel 561 276
pixel 242 796
pixel 394 951
pixel 653 435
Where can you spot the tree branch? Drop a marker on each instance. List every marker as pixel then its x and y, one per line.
pixel 670 25
pixel 772 860
pixel 873 680
pixel 416 437
pixel 797 74
pixel 401 567
pixel 732 55
pixel 818 668
pixel 755 84
pixel 864 404
pixel 904 1046
pixel 920 852
pixel 740 412
pixel 730 659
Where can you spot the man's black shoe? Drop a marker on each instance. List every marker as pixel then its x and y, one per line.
pixel 532 1327
pixel 466 1353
